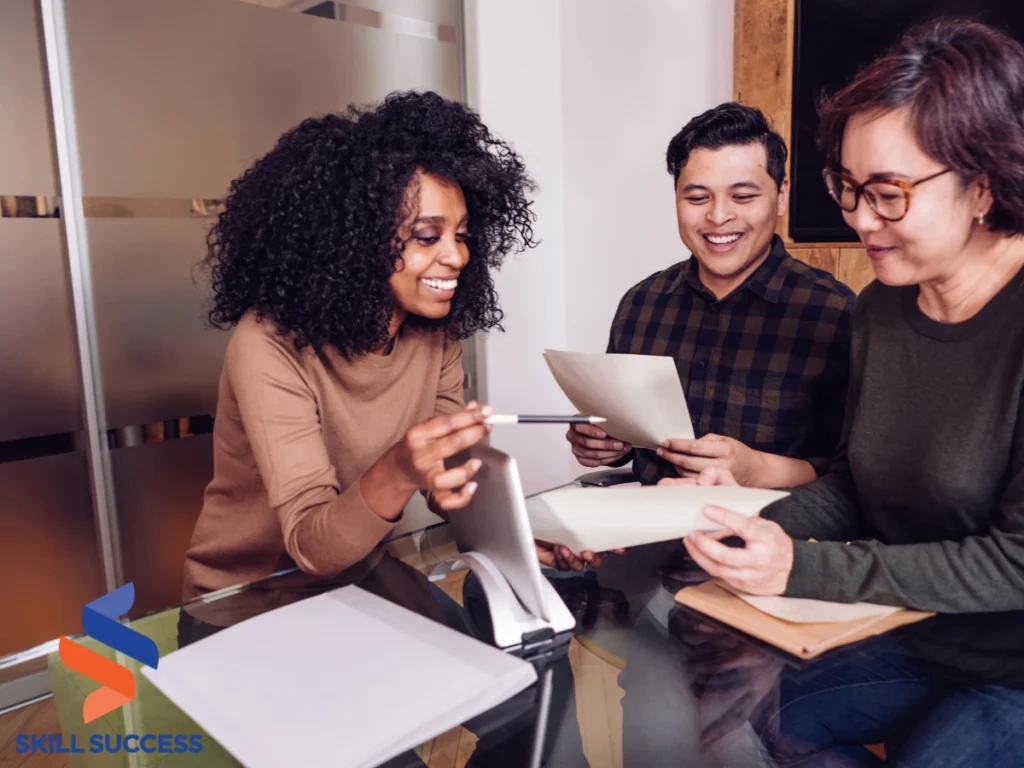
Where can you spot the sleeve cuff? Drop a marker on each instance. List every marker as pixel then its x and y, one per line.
pixel 339 535
pixel 807 576
pixel 361 516
pixel 820 464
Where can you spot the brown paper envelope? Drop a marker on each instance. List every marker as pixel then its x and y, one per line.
pixel 803 640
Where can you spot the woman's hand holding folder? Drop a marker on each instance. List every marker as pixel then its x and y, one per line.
pixel 761 566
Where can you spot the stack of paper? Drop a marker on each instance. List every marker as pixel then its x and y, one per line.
pixel 600 519
pixel 342 679
pixel 640 395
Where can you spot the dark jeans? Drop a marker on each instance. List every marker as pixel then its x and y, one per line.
pixel 819 713
pixel 829 710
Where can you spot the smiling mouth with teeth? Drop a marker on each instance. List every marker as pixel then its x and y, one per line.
pixel 441 285
pixel 723 239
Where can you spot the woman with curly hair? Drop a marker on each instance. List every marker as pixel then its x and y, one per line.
pixel 350 261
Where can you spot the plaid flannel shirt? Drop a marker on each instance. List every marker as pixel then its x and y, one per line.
pixel 767 365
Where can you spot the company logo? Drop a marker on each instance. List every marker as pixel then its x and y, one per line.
pixel 99 622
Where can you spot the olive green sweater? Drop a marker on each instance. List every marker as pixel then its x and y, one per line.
pixel 924 504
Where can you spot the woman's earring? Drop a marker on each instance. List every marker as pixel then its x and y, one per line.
pixel 981 219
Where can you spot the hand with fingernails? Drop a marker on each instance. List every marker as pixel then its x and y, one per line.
pixel 418 458
pixel 691 457
pixel 593 447
pixel 418 461
pixel 762 566
pixel 564 559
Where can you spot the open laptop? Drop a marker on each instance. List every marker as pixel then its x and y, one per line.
pixel 495 524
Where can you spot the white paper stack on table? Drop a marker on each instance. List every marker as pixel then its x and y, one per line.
pixel 640 395
pixel 600 519
pixel 342 679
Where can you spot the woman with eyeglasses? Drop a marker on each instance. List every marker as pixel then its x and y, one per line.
pixel 924 505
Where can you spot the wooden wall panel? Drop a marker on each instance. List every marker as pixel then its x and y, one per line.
pixel 763 65
pixel 763 78
pixel 763 60
pixel 855 268
pixel 822 258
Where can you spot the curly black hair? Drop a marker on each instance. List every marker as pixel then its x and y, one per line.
pixel 310 233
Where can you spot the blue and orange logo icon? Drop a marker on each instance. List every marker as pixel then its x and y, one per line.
pixel 99 622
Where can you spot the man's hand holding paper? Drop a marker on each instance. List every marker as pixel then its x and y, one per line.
pixel 639 395
pixel 593 447
pixel 691 457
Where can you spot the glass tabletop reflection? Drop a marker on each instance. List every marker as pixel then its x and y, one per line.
pixel 641 681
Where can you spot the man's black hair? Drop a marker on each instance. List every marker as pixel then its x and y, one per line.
pixel 725 125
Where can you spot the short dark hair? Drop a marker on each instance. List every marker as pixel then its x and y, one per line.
pixel 963 83
pixel 725 125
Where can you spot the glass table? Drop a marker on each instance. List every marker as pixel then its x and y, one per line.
pixel 641 681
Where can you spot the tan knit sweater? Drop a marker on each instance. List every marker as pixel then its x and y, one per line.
pixel 294 433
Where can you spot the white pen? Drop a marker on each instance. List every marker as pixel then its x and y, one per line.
pixel 524 419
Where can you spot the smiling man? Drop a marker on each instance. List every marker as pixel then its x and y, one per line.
pixel 760 340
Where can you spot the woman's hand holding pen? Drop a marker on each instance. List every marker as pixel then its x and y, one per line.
pixel 420 455
pixel 416 462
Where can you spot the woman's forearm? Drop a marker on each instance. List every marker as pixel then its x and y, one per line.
pixel 386 490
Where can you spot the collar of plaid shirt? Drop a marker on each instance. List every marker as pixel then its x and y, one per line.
pixel 787 399
pixel 766 281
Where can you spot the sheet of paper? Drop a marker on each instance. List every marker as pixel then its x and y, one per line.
pixel 640 395
pixel 600 519
pixel 800 610
pixel 342 679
